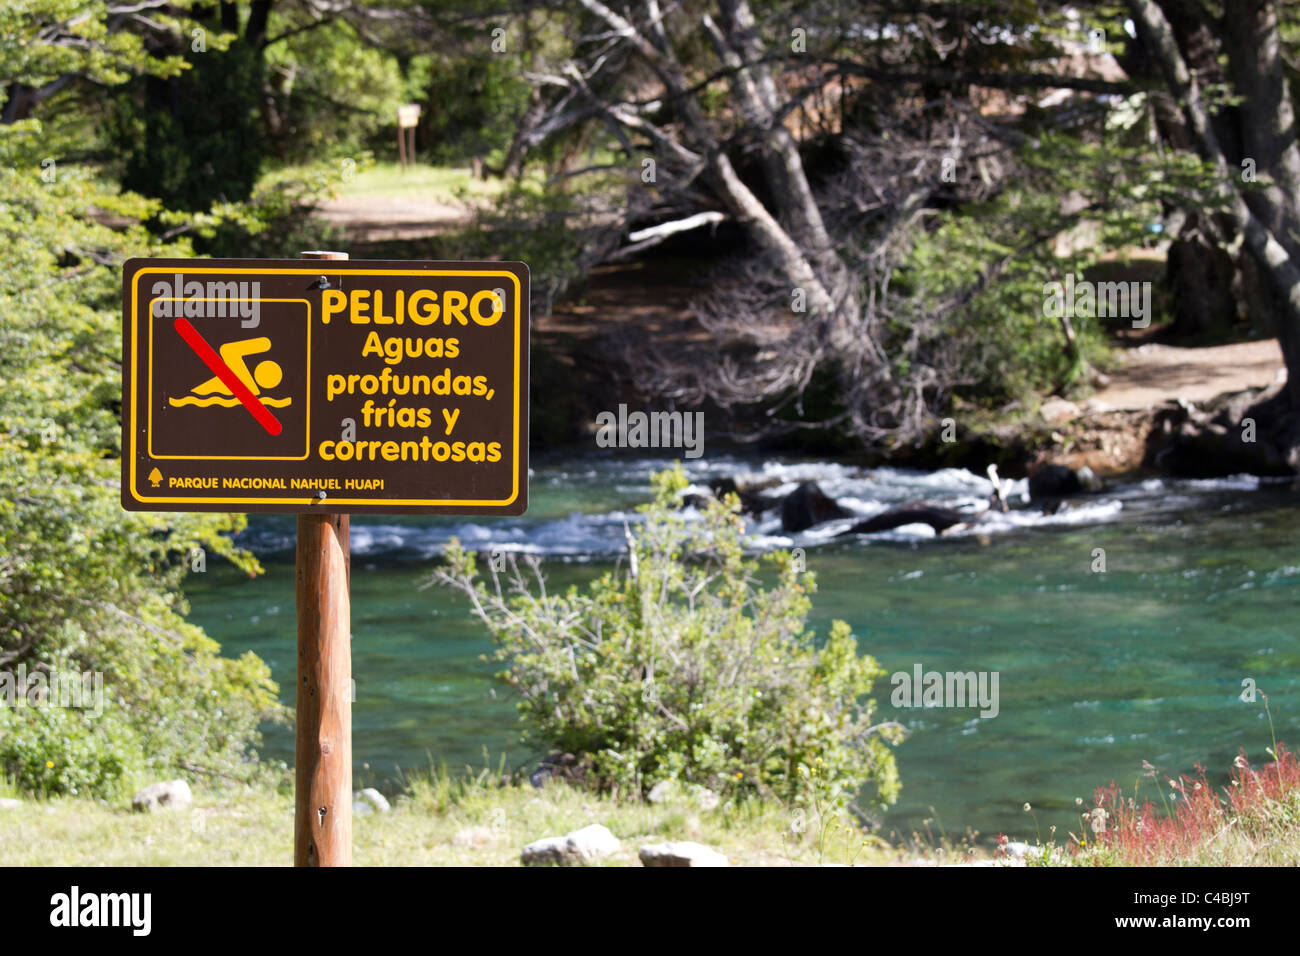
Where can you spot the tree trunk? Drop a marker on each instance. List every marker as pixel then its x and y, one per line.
pixel 1265 217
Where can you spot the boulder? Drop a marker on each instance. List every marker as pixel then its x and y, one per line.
pixel 940 519
pixel 587 845
pixel 666 791
pixel 166 794
pixel 1054 481
pixel 371 798
pixel 808 505
pixel 8 803
pixel 1252 432
pixel 663 791
pixel 703 797
pixel 681 853
pixel 1057 410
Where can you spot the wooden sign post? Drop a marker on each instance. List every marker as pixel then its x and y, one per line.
pixel 324 389
pixel 322 822
pixel 408 117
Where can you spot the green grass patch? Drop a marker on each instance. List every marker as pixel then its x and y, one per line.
pixel 440 820
pixel 376 180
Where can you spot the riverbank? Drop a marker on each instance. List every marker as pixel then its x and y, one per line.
pixel 437 821
pixel 1156 409
pixel 475 820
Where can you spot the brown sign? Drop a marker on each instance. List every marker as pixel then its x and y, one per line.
pixel 325 385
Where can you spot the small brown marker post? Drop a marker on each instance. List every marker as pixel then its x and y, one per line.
pixel 322 832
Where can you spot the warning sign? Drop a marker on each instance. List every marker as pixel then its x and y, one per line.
pixel 325 385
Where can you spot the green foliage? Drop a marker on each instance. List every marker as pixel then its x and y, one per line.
pixel 278 220
pixel 329 93
pixel 196 139
pixel 473 104
pixel 83 584
pixel 1005 344
pixel 683 666
pixel 530 225
pixel 54 751
pixel 42 40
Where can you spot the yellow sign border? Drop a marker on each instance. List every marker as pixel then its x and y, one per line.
pixel 149 419
pixel 300 502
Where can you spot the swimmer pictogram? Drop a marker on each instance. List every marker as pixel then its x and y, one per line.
pixel 232 383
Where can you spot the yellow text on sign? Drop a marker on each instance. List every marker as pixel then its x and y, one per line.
pixel 363 306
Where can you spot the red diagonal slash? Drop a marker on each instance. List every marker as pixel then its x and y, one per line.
pixel 222 371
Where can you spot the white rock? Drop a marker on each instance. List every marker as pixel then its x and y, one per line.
pixel 662 792
pixel 581 846
pixel 681 853
pixel 373 798
pixel 361 809
pixel 547 850
pixel 704 798
pixel 8 803
pixel 169 794
pixel 666 791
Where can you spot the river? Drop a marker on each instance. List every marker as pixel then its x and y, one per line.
pixel 1097 671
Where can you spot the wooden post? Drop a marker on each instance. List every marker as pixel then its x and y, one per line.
pixel 322 832
pixel 401 145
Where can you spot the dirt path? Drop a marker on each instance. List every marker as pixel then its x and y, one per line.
pixel 384 218
pixel 1152 374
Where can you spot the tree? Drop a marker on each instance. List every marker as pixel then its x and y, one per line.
pixel 51 46
pixel 85 586
pixel 837 138
pixel 1241 118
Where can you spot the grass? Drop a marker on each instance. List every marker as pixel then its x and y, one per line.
pixel 1254 821
pixel 474 819
pixel 440 820
pixel 374 180
pixel 443 819
pixel 443 183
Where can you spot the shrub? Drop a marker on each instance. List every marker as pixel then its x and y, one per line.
pixel 53 751
pixel 1254 818
pixel 680 665
pixel 83 583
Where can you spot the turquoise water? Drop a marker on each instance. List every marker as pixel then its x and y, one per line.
pixel 1097 671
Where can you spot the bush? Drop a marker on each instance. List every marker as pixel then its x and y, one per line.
pixel 53 751
pixel 1252 821
pixel 682 666
pixel 85 585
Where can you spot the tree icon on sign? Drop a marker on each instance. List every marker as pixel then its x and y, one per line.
pixel 155 477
